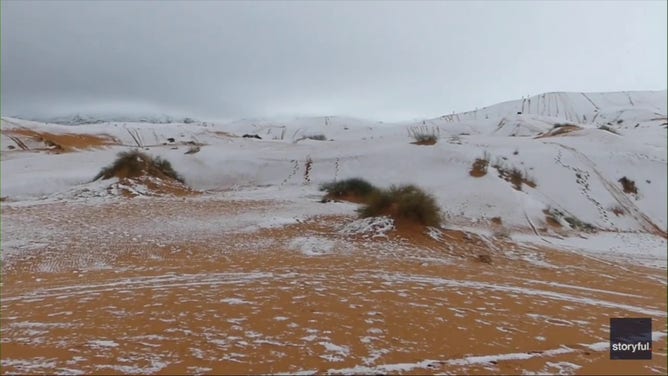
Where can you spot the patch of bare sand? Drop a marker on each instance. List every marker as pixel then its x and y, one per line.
pixel 60 143
pixel 229 301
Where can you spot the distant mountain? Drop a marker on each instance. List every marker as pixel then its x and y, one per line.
pixel 79 119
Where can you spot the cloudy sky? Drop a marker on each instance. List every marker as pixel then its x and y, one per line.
pixel 379 60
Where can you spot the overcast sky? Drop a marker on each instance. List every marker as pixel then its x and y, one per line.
pixel 377 60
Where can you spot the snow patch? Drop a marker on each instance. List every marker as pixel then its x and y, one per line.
pixel 372 227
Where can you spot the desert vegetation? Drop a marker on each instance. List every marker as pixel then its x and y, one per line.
pixel 617 210
pixel 131 164
pixel 317 137
pixel 403 203
pixel 514 175
pixel 406 203
pixel 554 215
pixel 424 135
pixel 628 185
pixel 353 189
pixel 479 167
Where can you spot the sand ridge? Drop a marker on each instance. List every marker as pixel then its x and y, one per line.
pixel 60 142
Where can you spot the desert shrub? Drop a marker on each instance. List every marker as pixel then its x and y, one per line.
pixel 606 128
pixel 628 185
pixel 514 175
pixel 406 202
pixel 479 167
pixel 617 210
pixel 574 223
pixel 317 137
pixel 579 225
pixel 134 163
pixel 424 135
pixel 516 178
pixel 355 187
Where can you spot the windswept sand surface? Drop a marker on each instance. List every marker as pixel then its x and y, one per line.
pixel 222 284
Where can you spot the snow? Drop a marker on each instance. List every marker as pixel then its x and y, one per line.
pixel 102 343
pixel 636 248
pixel 400 278
pixel 369 227
pixel 481 360
pixel 234 301
pixel 313 246
pixel 343 350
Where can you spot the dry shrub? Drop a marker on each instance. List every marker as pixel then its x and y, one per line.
pixel 317 137
pixel 618 210
pixel 424 135
pixel 628 185
pixel 131 164
pixel 514 175
pixel 572 221
pixel 479 167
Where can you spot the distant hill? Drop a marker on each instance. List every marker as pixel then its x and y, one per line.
pixel 80 119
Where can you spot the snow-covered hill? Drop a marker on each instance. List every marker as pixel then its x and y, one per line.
pixel 575 147
pixel 594 108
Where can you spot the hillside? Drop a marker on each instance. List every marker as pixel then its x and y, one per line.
pixel 576 172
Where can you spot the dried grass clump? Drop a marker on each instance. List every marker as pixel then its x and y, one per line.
pixel 132 164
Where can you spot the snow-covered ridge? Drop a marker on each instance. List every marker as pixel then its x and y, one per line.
pixel 576 173
pixel 597 108
pixel 81 119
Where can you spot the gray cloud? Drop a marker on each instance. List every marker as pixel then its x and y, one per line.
pixel 384 60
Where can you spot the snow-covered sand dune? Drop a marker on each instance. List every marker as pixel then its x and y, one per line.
pixel 250 272
pixel 576 172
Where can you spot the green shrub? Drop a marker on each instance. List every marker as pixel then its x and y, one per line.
pixel 406 202
pixel 130 164
pixel 350 187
